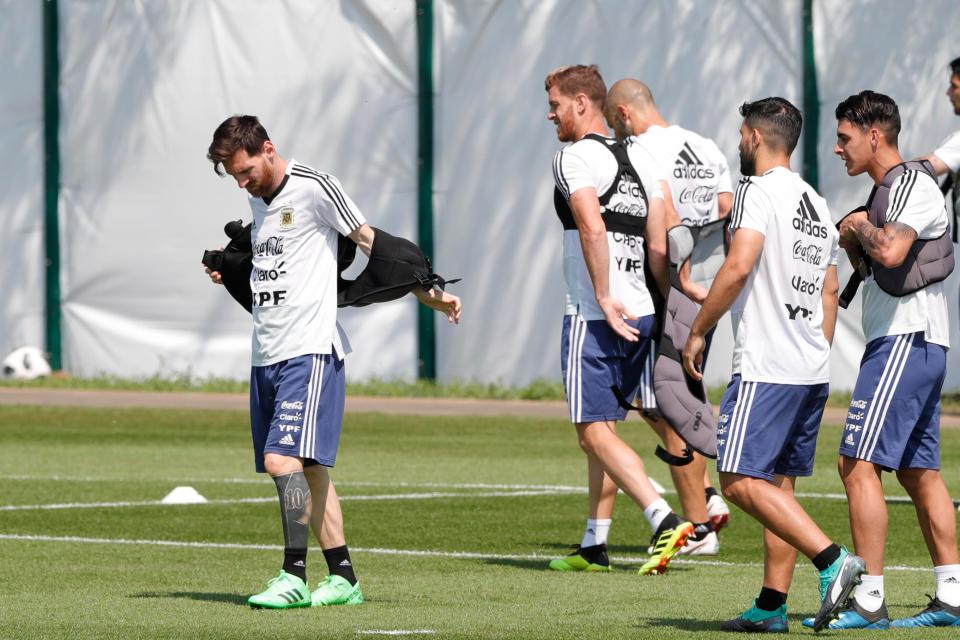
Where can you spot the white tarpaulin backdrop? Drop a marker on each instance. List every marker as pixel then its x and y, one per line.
pixel 21 180
pixel 143 85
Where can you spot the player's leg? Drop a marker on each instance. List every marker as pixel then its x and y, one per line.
pixel 887 428
pixel 768 429
pixel 289 589
pixel 591 553
pixel 920 476
pixel 768 614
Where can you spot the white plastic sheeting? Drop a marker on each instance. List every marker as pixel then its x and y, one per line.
pixel 21 181
pixel 901 49
pixel 144 84
pixel 495 187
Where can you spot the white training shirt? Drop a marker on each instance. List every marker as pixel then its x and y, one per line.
pixel 694 167
pixel 294 277
pixel 778 316
pixel 916 201
pixel 949 153
pixel 589 163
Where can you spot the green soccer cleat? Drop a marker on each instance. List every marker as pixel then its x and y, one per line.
pixel 286 591
pixel 336 590
pixel 755 620
pixel 836 584
pixel 668 543
pixel 576 561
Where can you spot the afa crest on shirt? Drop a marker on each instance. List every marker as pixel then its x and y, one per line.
pixel 286 218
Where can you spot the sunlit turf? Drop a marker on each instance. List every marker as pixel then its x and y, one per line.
pixel 82 589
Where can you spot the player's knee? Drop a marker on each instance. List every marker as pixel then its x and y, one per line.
pixel 278 465
pixel 913 479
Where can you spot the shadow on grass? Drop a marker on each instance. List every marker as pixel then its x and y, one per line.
pixel 227 598
pixel 685 624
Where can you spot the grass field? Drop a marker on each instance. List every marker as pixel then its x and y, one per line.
pixel 450 521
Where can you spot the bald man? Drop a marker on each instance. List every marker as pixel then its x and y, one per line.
pixel 695 179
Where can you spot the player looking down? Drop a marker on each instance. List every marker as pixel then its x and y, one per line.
pixel 297 380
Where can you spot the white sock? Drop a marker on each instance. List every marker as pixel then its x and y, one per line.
pixel 869 593
pixel 948 584
pixel 596 532
pixel 657 512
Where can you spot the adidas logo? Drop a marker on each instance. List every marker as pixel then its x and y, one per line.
pixel 345 563
pixel 849 439
pixel 689 165
pixel 287 440
pixel 807 220
pixel 299 563
pixel 591 531
pixel 952 580
pixel 875 594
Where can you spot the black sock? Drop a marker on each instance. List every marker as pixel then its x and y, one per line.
pixel 597 554
pixel 771 599
pixel 710 491
pixel 670 522
pixel 701 530
pixel 338 562
pixel 295 562
pixel 826 557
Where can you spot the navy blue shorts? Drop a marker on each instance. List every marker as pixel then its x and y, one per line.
pixel 767 429
pixel 296 409
pixel 594 358
pixel 894 416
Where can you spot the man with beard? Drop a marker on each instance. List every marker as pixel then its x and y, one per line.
pixel 298 377
pixel 611 208
pixel 780 277
pixel 894 418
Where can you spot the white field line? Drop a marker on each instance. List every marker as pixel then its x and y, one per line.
pixel 160 503
pixel 398 485
pixel 458 555
pixel 396 632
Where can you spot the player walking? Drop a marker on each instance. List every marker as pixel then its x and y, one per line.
pixel 894 417
pixel 780 276
pixel 611 208
pixel 695 180
pixel 297 381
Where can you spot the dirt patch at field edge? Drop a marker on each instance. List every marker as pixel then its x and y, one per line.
pixel 357 404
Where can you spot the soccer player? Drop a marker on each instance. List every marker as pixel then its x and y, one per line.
pixel 946 158
pixel 894 419
pixel 611 208
pixel 780 276
pixel 696 188
pixel 297 381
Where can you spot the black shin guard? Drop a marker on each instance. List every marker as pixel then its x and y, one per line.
pixel 294 494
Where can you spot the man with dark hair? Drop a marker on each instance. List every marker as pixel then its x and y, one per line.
pixel 780 277
pixel 611 208
pixel 297 381
pixel 946 158
pixel 695 181
pixel 894 419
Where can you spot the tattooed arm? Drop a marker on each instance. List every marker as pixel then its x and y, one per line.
pixel 888 245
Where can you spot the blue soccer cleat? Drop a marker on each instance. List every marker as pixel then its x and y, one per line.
pixel 755 620
pixel 836 584
pixel 856 617
pixel 937 614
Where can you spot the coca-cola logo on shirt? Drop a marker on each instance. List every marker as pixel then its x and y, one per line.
pixel 809 253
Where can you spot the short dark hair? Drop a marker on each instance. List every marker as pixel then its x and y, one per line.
pixel 579 78
pixel 955 67
pixel 779 121
pixel 871 109
pixel 233 134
